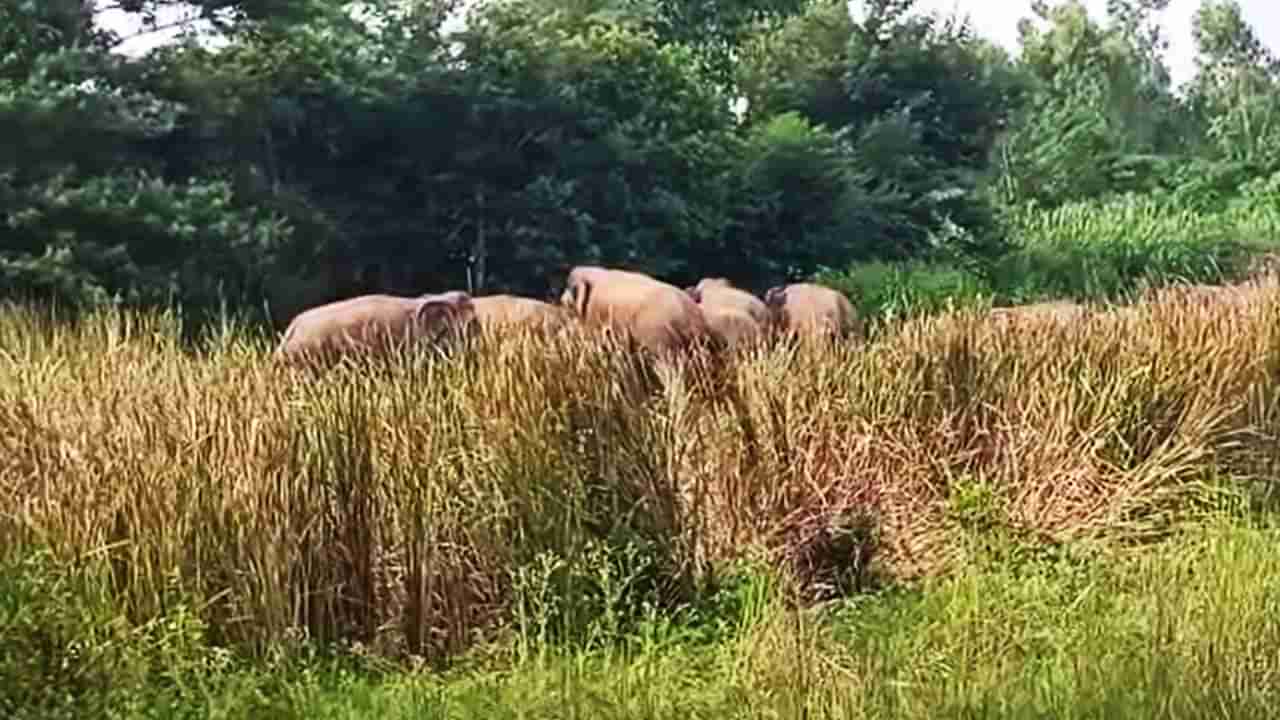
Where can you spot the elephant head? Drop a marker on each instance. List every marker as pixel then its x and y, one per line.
pixel 812 310
pixel 438 315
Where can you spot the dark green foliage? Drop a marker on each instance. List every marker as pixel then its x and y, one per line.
pixel 145 240
pixel 919 104
pixel 317 154
pixel 588 141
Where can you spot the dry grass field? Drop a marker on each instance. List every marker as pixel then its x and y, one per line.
pixel 428 507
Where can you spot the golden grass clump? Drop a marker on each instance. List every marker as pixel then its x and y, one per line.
pixel 393 505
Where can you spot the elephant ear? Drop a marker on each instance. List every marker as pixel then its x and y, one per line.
pixel 454 306
pixel 776 296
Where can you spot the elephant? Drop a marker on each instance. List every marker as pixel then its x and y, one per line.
pixel 719 292
pixel 734 328
pixel 494 312
pixel 1059 311
pixel 736 317
pixel 376 323
pixel 665 321
pixel 812 311
pixel 1206 295
pixel 657 316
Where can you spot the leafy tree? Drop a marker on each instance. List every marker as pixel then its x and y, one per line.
pixel 326 149
pixel 601 143
pixel 81 217
pixel 549 138
pixel 1103 117
pixel 1237 87
pixel 714 31
pixel 919 103
pixel 795 202
pixel 717 28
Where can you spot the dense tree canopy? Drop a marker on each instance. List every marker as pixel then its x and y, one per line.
pixel 321 152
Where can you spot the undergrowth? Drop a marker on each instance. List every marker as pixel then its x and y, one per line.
pixel 1185 629
pixel 537 518
pixel 1108 249
pixel 410 507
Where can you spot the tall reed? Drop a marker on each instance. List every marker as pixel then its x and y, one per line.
pixel 404 506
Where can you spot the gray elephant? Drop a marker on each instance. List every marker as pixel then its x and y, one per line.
pixel 1055 311
pixel 718 292
pixel 375 324
pixel 735 316
pixel 656 315
pixel 500 313
pixel 1206 295
pixel 812 311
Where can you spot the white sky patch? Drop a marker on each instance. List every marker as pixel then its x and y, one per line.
pixel 997 20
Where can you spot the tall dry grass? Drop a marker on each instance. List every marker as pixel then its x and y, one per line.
pixel 405 507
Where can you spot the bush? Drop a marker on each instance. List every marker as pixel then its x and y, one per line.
pixel 892 291
pixel 68 650
pixel 1107 249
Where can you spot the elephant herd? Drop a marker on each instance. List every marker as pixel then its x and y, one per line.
pixel 656 316
pixel 642 311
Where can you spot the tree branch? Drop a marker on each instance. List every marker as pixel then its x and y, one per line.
pixel 136 6
pixel 156 29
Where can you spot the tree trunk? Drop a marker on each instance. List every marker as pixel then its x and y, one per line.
pixel 480 249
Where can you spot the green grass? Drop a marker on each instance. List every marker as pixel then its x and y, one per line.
pixel 887 292
pixel 1106 250
pixel 1190 628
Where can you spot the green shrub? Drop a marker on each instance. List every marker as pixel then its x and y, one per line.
pixel 895 291
pixel 1107 249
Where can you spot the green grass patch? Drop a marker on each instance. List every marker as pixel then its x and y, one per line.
pixel 1105 250
pixel 1186 629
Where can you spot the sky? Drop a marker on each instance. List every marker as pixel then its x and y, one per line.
pixel 998 20
pixel 994 19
